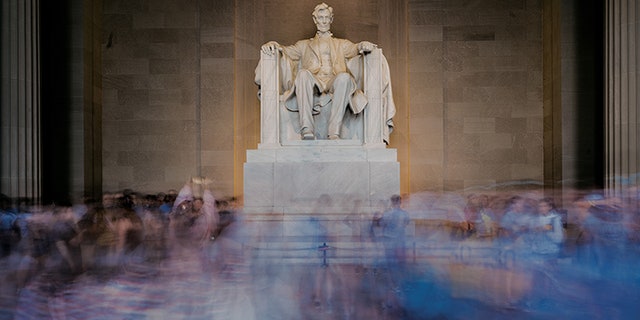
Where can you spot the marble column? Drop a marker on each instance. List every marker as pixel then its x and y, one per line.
pixel 20 167
pixel 621 111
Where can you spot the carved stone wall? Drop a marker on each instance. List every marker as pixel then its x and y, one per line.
pixel 179 98
pixel 168 93
pixel 475 93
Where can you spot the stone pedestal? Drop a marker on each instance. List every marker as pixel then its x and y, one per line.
pixel 321 189
pixel 321 177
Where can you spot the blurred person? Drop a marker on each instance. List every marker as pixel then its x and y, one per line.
pixel 81 206
pixel 120 229
pixel 608 233
pixel 541 244
pixel 546 231
pixel 63 231
pixel 9 230
pixel 90 226
pixel 160 198
pixel 226 210
pixel 108 200
pixel 578 238
pixel 634 215
pixel 239 270
pixel 394 222
pixel 138 203
pixel 516 218
pixel 153 231
pixel 36 244
pixel 167 204
pixel 480 221
pixel 128 225
pixel 579 211
pixel 107 238
pixel 467 227
pixel 193 218
pixel 375 227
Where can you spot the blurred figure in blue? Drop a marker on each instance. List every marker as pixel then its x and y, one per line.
pixel 394 222
pixel 515 221
pixel 167 201
pixel 607 230
pixel 547 233
pixel 9 231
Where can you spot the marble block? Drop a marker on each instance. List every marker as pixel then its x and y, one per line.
pixel 319 180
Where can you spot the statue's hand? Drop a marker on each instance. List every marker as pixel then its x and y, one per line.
pixel 366 46
pixel 271 47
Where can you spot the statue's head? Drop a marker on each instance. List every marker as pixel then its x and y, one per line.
pixel 322 17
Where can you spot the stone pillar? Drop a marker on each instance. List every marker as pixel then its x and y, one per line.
pixel 20 167
pixel 621 97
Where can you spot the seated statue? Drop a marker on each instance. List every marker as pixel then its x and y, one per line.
pixel 329 79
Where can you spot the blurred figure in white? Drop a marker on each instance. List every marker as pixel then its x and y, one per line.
pixel 193 217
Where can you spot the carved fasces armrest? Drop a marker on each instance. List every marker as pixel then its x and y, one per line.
pixel 267 78
pixel 274 69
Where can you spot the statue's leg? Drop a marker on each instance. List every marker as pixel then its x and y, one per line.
pixel 343 86
pixel 305 83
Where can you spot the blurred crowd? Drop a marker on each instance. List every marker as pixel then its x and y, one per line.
pixel 588 226
pixel 121 229
pixel 589 237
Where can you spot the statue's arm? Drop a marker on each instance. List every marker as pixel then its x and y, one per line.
pixel 293 52
pixel 351 49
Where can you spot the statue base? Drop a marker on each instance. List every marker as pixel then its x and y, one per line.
pixel 319 178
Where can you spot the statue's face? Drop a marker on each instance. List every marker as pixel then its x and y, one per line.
pixel 323 20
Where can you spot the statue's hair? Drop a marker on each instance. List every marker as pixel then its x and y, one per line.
pixel 322 6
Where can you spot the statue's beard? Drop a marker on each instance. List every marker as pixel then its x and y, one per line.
pixel 323 28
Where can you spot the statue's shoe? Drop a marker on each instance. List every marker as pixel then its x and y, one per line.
pixel 308 135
